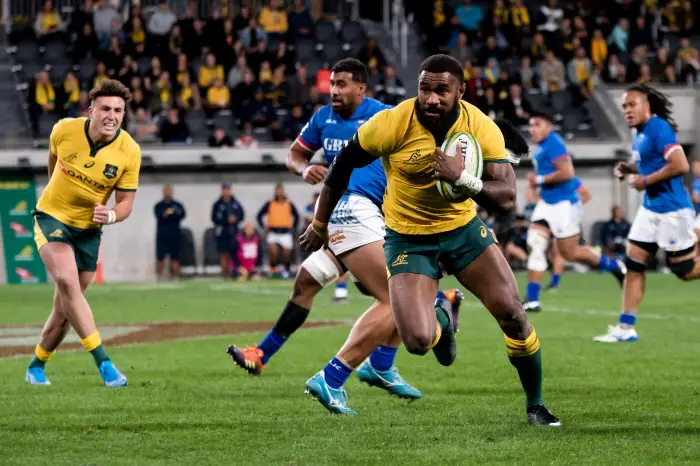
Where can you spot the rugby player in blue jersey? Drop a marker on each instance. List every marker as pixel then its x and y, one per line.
pixel 665 219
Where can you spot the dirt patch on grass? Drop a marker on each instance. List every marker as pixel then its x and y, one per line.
pixel 17 341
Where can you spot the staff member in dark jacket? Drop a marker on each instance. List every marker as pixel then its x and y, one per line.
pixel 169 213
pixel 280 225
pixel 226 214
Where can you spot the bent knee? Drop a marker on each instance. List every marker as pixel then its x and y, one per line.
pixel 511 318
pixel 419 343
pixel 67 283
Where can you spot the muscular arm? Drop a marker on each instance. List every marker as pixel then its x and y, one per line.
pixel 676 164
pixel 298 158
pixel 499 190
pixel 124 203
pixel 351 157
pixel 564 171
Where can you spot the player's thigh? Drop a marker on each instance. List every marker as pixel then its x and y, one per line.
pixel 412 296
pixel 566 247
pixel 367 265
pixel 55 244
pixel 490 278
pixel 460 247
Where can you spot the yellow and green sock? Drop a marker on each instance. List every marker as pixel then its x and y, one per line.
pixel 526 357
pixel 93 343
pixel 41 357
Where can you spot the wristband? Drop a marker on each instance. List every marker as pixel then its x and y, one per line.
pixel 539 179
pixel 112 217
pixel 318 226
pixel 473 184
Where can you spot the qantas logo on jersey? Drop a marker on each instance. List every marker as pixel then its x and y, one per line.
pixel 83 179
pixel 334 145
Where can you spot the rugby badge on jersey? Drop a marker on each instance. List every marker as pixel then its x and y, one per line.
pixel 468 147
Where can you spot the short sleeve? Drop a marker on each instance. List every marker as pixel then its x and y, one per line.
pixel 556 149
pixel 576 182
pixel 55 138
pixel 310 136
pixel 665 140
pixel 378 136
pixel 493 146
pixel 129 180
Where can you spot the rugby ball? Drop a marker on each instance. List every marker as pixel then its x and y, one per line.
pixel 466 146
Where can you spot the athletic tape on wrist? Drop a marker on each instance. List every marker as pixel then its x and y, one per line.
pixel 112 217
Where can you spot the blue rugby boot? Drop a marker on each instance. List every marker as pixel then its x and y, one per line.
pixel 36 376
pixel 110 375
pixel 389 380
pixel 333 399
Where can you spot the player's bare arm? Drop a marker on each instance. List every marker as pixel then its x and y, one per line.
pixel 622 169
pixel 298 162
pixel 564 172
pixel 351 157
pixel 121 210
pixel 676 165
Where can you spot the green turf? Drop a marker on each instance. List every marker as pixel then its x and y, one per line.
pixel 187 404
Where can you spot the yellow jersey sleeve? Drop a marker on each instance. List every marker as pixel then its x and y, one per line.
pixel 493 147
pixel 57 133
pixel 129 180
pixel 379 135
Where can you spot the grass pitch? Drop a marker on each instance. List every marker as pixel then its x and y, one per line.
pixel 188 404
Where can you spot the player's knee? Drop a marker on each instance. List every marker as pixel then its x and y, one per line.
pixel 66 283
pixel 305 286
pixel 635 266
pixel 683 268
pixel 362 289
pixel 537 243
pixel 512 319
pixel 419 342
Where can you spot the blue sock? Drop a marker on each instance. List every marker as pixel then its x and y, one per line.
pixel 607 264
pixel 382 359
pixel 533 291
pixel 555 280
pixel 271 344
pixel 628 319
pixel 440 295
pixel 336 373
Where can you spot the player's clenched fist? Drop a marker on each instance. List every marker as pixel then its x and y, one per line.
pixel 314 174
pixel 315 236
pixel 102 215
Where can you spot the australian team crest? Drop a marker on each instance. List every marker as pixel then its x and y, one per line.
pixel 110 171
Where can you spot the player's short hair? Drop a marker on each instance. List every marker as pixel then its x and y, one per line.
pixel 659 104
pixel 355 67
pixel 442 63
pixel 516 145
pixel 110 88
pixel 544 115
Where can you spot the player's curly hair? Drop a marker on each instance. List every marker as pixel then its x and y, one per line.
pixel 110 88
pixel 516 145
pixel 442 63
pixel 355 67
pixel 659 104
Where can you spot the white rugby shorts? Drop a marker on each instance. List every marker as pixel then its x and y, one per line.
pixel 671 231
pixel 283 240
pixel 356 221
pixel 563 218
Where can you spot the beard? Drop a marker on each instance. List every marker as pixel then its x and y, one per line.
pixel 440 125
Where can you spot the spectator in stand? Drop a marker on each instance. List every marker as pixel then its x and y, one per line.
pixel 169 214
pixel 491 71
pixel 235 76
pixel 565 41
pixel 497 31
pixel 162 97
pixel 249 253
pixel 528 75
pixel 142 127
pixel 519 20
pixel 226 214
pixel 300 22
pixel 619 37
pixel 195 45
pixel 153 74
pixel 175 41
pixel 688 61
pixel 102 20
pixel 613 234
pixel 538 48
pixel 669 18
pixel 489 104
pixel 159 26
pixel 279 218
pixel 551 14
pixel 599 49
pixel 293 124
pixel 616 71
pixel 371 56
pixel 283 57
pixel 183 69
pixel 462 51
pixel 300 86
pixel 259 112
pixel 71 95
pixel 669 76
pixel 81 16
pixel 115 30
pixel 113 56
pixel 214 31
pixel 128 71
pixel 581 30
pixel 515 242
pixel 580 73
pixel 85 44
pixel 252 35
pixel 516 107
pixel 246 140
pixel 174 129
pixel 138 101
pixel 219 138
pixel 242 18
pixel 42 99
pixel 641 34
pixel 390 89
pixel 277 90
pixel 644 74
pixel 218 98
pixel 137 38
pixel 662 60
pixel 243 93
pixel 552 74
pixel 638 58
pixel 475 86
pixel 209 72
pixel 688 18
pixel 99 75
pixel 315 101
pixel 273 19
pixel 469 17
pixel 48 25
pixel 188 97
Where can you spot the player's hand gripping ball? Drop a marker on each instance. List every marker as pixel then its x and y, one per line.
pixel 458 167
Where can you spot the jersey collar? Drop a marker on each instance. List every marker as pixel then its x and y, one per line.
pixel 94 148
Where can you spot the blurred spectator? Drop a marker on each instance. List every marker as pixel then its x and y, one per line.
pixel 209 72
pixel 315 101
pixel 71 93
pixel 175 41
pixel 640 34
pixel 660 63
pixel 218 98
pixel 257 56
pixel 169 214
pixel 174 128
pixel 213 33
pixel 475 86
pixel 497 31
pixel 113 56
pixel 183 69
pixel 615 72
pixel 159 25
pixel 246 140
pixel 42 99
pixel 226 214
pixel 520 18
pixel 128 71
pixel 491 71
pixel 85 44
pixel 515 241
pixel 186 23
pixel 81 16
pixel 283 57
pixel 100 74
pixel 138 101
pixel 219 138
pixel 644 74
pixel 115 31
pixel 580 75
pixel 273 19
pixel 265 73
pixel 551 13
pixel 371 56
pixel 599 48
pixel 153 73
pixel 242 18
pixel 277 90
pixel 462 51
pixel 619 37
pixel 669 18
pixel 48 24
pixel 141 127
pixel 688 62
pixel 488 103
pixel 102 20
pixel 195 43
pixel 259 112
pixel 252 34
pixel 469 17
pixel 292 126
pixel 638 58
pixel 552 74
pixel 188 98
pixel 300 22
pixel 538 48
pixel 527 74
pixel 249 253
pixel 162 97
pixel 137 38
pixel 235 76
pixel 516 107
pixel 613 234
pixel 688 18
pixel 279 218
pixel 390 89
pixel 243 93
pixel 669 76
pixel 300 86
